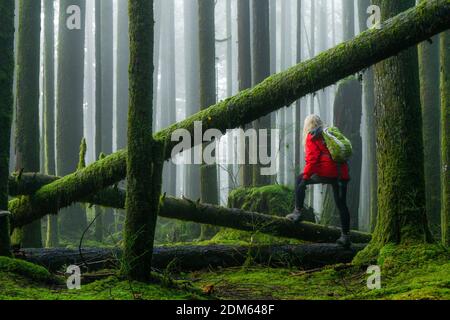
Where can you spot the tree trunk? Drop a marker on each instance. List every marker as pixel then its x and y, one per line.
pixel 347 117
pixel 429 93
pixel 369 150
pixel 260 71
pixel 69 106
pixel 27 109
pixel 207 56
pixel 401 196
pixel 123 59
pixel 6 111
pixel 411 27
pixel 192 258
pixel 107 74
pixel 298 107
pixel 348 10
pixel 244 74
pixel 192 78
pixel 168 83
pixel 143 176
pixel 445 123
pixel 49 111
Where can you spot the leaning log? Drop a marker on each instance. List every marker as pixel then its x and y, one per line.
pixel 187 210
pixel 189 258
pixel 370 47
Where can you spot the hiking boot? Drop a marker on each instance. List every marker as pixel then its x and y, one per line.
pixel 296 216
pixel 344 241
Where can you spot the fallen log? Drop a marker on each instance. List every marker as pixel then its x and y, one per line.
pixel 187 210
pixel 372 46
pixel 189 258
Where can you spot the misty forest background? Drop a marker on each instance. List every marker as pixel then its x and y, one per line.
pixel 84 102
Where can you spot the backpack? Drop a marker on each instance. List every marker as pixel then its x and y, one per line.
pixel 339 146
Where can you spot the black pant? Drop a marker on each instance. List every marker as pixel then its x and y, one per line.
pixel 339 192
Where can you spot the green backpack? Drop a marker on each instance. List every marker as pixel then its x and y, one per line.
pixel 339 146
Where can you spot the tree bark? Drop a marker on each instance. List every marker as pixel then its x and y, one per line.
pixel 192 258
pixel 347 117
pixel 49 111
pixel 260 71
pixel 6 112
pixel 445 123
pixel 144 166
pixel 27 109
pixel 244 73
pixel 397 34
pixel 401 196
pixel 69 107
pixel 429 94
pixel 369 150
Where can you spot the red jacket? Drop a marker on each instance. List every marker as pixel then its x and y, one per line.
pixel 318 160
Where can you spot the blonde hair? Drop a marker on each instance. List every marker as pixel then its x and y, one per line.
pixel 312 122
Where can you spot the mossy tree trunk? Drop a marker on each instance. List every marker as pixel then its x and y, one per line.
pixel 244 73
pixel 6 112
pixel 429 93
pixel 401 195
pixel 69 107
pixel 369 115
pixel 397 34
pixel 445 123
pixel 207 56
pixel 27 109
pixel 347 117
pixel 260 71
pixel 144 159
pixel 49 111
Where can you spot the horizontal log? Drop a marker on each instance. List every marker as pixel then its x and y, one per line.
pixel 187 210
pixel 189 258
pixel 372 46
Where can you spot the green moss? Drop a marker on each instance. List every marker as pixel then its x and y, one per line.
pixel 26 269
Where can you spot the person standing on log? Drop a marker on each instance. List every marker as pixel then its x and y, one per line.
pixel 320 168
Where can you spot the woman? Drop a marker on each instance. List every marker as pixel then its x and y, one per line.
pixel 321 169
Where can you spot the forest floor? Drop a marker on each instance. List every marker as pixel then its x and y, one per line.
pixel 420 272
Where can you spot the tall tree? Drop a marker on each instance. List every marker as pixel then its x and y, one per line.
pixel 144 163
pixel 445 123
pixel 401 195
pixel 49 110
pixel 192 83
pixel 347 117
pixel 369 117
pixel 6 111
pixel 168 86
pixel 207 60
pixel 69 103
pixel 429 93
pixel 123 58
pixel 298 107
pixel 244 73
pixel 27 108
pixel 348 17
pixel 260 71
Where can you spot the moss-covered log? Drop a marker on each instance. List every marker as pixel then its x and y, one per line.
pixel 372 46
pixel 445 153
pixel 27 107
pixel 187 210
pixel 190 258
pixel 6 111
